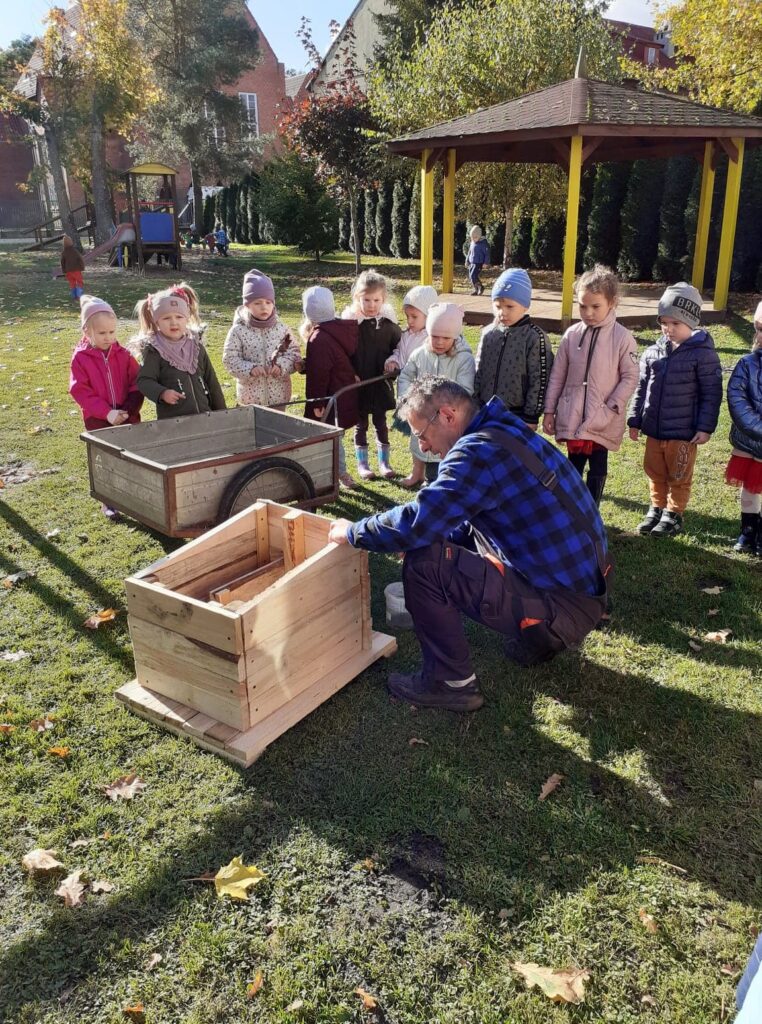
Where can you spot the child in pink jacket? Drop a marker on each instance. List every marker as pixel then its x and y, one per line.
pixel 594 374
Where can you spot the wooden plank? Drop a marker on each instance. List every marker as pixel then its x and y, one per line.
pixel 293 551
pixel 190 656
pixel 210 623
pixel 201 698
pixel 134 488
pixel 367 624
pixel 315 530
pixel 250 744
pixel 258 582
pixel 216 579
pixel 199 724
pixel 263 532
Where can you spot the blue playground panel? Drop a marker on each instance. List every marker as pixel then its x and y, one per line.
pixel 157 228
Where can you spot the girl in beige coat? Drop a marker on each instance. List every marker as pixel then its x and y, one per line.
pixel 594 374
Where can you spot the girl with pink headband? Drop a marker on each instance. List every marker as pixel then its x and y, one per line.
pixel 177 373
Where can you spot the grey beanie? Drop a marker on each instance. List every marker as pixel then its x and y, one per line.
pixel 318 305
pixel 682 302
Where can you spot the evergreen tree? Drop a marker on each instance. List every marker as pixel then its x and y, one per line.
pixel 253 210
pixel 672 251
pixel 640 220
pixel 747 254
pixel 461 233
pixel 298 207
pixel 371 201
pixel 438 218
pixel 400 241
pixel 360 223
pixel 384 219
pixel 414 243
pixel 345 228
pixel 208 220
pixel 243 211
pixel 220 206
pixel 604 230
pixel 232 211
pixel 585 205
pixel 522 240
pixel 546 247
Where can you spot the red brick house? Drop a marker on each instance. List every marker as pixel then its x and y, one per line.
pixel 646 45
pixel 261 92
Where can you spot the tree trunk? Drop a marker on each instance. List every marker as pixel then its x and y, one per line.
pixel 508 244
pixel 59 181
pixel 198 201
pixel 104 223
pixel 355 229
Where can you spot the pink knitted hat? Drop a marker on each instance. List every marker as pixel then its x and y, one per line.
pixel 163 303
pixel 89 306
pixel 445 319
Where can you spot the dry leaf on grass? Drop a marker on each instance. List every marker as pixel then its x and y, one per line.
pixel 552 783
pixel 136 1013
pixel 368 1001
pixel 712 612
pixel 153 960
pixel 416 741
pixel 59 751
pixel 255 985
pixel 104 615
pixel 729 970
pixel 719 636
pixel 660 863
pixel 41 862
pixel 102 886
pixel 694 646
pixel 125 788
pixel 17 577
pixel 41 724
pixel 13 655
pixel 72 889
pixel 712 590
pixel 648 921
pixel 566 986
pixel 236 878
pixel 648 1000
pixel 296 1005
pixel 52 534
pixel 6 727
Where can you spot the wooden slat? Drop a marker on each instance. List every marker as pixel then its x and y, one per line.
pixel 367 624
pixel 216 579
pixel 293 551
pixel 255 584
pixel 210 623
pixel 263 532
pixel 230 710
pixel 190 656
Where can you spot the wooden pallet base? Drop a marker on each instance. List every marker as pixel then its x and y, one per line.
pixel 243 748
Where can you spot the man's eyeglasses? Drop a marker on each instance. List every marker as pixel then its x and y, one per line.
pixel 421 436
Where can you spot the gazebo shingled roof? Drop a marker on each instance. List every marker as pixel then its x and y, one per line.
pixel 577 121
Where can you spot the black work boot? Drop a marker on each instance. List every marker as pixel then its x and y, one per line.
pixel 595 485
pixel 652 518
pixel 671 523
pixel 748 540
pixel 415 688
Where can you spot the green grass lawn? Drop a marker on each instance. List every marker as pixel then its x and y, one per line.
pixel 418 872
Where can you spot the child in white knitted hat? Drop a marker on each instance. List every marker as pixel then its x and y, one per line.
pixel 415 306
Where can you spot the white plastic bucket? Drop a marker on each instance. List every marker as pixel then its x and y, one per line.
pixel 397 614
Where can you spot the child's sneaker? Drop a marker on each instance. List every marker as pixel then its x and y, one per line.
pixel 651 519
pixel 671 523
pixel 345 480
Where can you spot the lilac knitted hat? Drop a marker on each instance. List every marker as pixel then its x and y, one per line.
pixel 89 306
pixel 257 285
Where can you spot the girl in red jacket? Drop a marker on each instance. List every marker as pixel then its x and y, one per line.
pixel 103 374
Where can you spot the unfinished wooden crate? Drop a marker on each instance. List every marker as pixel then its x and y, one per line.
pixel 241 633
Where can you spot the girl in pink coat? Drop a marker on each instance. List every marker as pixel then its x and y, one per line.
pixel 594 374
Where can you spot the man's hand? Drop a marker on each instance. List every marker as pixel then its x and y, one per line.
pixel 171 397
pixel 338 531
pixel 549 423
pixel 700 437
pixel 634 433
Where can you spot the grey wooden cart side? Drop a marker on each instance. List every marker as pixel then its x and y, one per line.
pixel 181 476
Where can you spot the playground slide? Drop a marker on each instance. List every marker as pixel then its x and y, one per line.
pixel 123 235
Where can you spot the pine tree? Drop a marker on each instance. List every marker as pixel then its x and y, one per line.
pixel 414 243
pixel 461 234
pixel 522 240
pixel 400 243
pixel 360 223
pixel 384 219
pixel 546 247
pixel 243 211
pixel 747 254
pixel 604 224
pixel 207 224
pixel 253 210
pixel 220 205
pixel 232 211
pixel 345 228
pixel 371 201
pixel 640 220
pixel 672 251
pixel 585 205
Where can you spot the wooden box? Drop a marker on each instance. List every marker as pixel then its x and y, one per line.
pixel 242 632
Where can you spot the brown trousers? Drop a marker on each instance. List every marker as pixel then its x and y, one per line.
pixel 669 468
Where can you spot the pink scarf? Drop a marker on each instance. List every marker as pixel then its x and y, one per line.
pixel 269 322
pixel 183 355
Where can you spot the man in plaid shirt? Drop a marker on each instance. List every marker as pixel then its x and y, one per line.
pixel 489 538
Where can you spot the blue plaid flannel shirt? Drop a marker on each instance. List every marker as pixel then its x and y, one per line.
pixel 480 483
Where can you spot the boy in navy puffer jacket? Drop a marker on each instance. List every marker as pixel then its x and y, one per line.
pixel 676 405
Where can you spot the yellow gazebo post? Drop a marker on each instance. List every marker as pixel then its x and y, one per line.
pixel 729 218
pixel 427 218
pixel 572 221
pixel 704 217
pixel 448 222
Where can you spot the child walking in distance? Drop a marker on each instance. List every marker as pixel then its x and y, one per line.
pixel 177 373
pixel 328 364
pixel 260 351
pixel 103 374
pixel 594 374
pixel 745 467
pixel 73 264
pixel 478 256
pixel 379 336
pixel 446 353
pixel 514 356
pixel 676 405
pixel 415 306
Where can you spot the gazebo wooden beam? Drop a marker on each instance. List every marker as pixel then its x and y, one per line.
pixel 704 216
pixel 729 219
pixel 434 157
pixel 730 148
pixel 590 147
pixel 562 153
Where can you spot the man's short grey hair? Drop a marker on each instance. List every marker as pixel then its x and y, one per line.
pixel 427 394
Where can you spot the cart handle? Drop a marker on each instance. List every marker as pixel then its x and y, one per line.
pixel 331 400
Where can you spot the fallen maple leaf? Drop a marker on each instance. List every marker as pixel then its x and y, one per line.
pixel 728 969
pixel 72 889
pixel 41 724
pixel 235 879
pixel 154 959
pixel 13 655
pixel 712 612
pixel 125 788
pixel 648 1000
pixel 566 986
pixel 648 921
pixel 719 636
pixel 296 1005
pixel 135 1013
pixel 415 741
pixel 712 590
pixel 694 646
pixel 41 862
pixel 254 986
pixel 17 577
pixel 6 727
pixel 102 886
pixel 368 1001
pixel 59 751
pixel 553 782
pixel 104 615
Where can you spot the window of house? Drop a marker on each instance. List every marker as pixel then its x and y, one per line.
pixel 250 114
pixel 218 131
pixel 650 55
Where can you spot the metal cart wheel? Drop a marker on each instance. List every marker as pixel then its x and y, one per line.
pixel 280 480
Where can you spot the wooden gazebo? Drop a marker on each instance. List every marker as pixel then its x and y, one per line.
pixel 573 123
